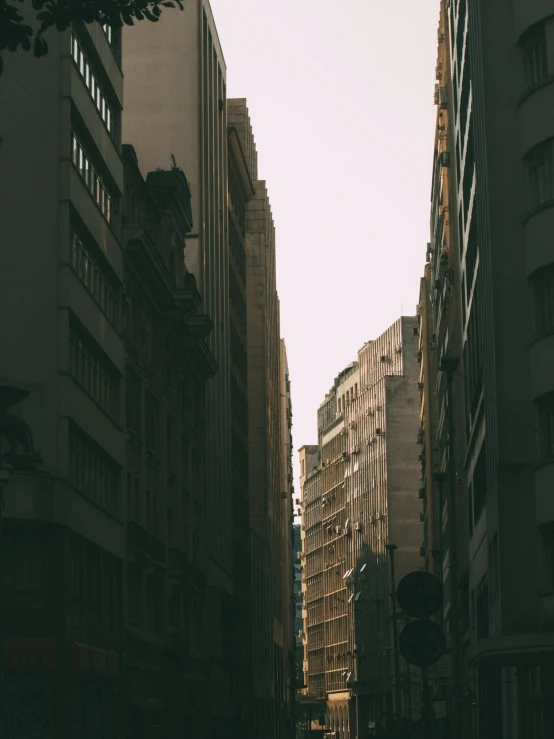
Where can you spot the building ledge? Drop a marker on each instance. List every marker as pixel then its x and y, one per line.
pixel 512 649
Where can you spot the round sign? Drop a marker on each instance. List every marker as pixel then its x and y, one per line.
pixel 422 643
pixel 419 594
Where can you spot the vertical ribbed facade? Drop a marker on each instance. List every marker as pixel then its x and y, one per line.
pixel 492 308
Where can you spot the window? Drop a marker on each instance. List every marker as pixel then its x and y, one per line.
pixel 545 406
pixel 24 575
pixel 92 472
pixel 92 180
pixel 533 50
pixel 132 402
pixel 548 555
pixel 135 595
pixel 98 98
pixel 108 30
pixel 151 431
pixel 479 484
pixel 482 609
pixel 543 290
pixel 539 164
pixel 95 277
pixel 93 371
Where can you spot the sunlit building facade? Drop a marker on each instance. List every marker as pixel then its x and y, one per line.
pixel 361 495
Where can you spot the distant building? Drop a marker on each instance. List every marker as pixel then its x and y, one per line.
pixel 361 494
pixel 298 603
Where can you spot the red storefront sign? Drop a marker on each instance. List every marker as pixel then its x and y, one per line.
pixel 29 655
pixel 92 661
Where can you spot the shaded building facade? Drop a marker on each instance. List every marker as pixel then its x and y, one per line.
pixel 492 315
pixel 100 572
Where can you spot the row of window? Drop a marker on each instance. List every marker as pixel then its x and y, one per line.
pixel 544 300
pixel 94 585
pixel 101 286
pixel 93 372
pixel 92 180
pixel 108 30
pixel 93 473
pixel 539 163
pixel 534 53
pixel 92 85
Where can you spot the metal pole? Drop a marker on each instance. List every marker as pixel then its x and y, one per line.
pixel 4 479
pixel 427 708
pixel 440 478
pixel 397 687
pixel 2 727
pixel 449 365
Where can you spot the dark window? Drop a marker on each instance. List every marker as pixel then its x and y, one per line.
pixel 92 472
pixel 533 50
pixel 95 276
pixel 93 371
pixel 133 402
pixel 479 484
pixel 539 164
pixel 545 407
pixel 543 293
pixel 482 609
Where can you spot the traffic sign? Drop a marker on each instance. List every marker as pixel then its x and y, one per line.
pixel 422 642
pixel 419 594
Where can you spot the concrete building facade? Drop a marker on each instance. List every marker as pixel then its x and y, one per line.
pixel 269 456
pixel 63 344
pixel 495 91
pixel 101 579
pixel 239 633
pixel 360 494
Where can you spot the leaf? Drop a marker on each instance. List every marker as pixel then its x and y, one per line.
pixel 40 46
pixel 127 18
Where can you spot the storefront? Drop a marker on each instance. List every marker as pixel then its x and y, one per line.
pixel 29 666
pixel 94 701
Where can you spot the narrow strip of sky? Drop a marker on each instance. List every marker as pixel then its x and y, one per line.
pixel 341 101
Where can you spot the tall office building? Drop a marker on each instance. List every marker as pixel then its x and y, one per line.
pixel 175 105
pixel 101 579
pixel 270 501
pixel 284 544
pixel 239 632
pixel 497 277
pixel 360 494
pixel 62 271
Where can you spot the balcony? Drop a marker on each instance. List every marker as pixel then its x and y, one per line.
pixel 546 609
pixel 177 561
pixel 143 545
pixel 138 539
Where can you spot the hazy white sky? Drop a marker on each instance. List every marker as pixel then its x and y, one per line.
pixel 340 94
